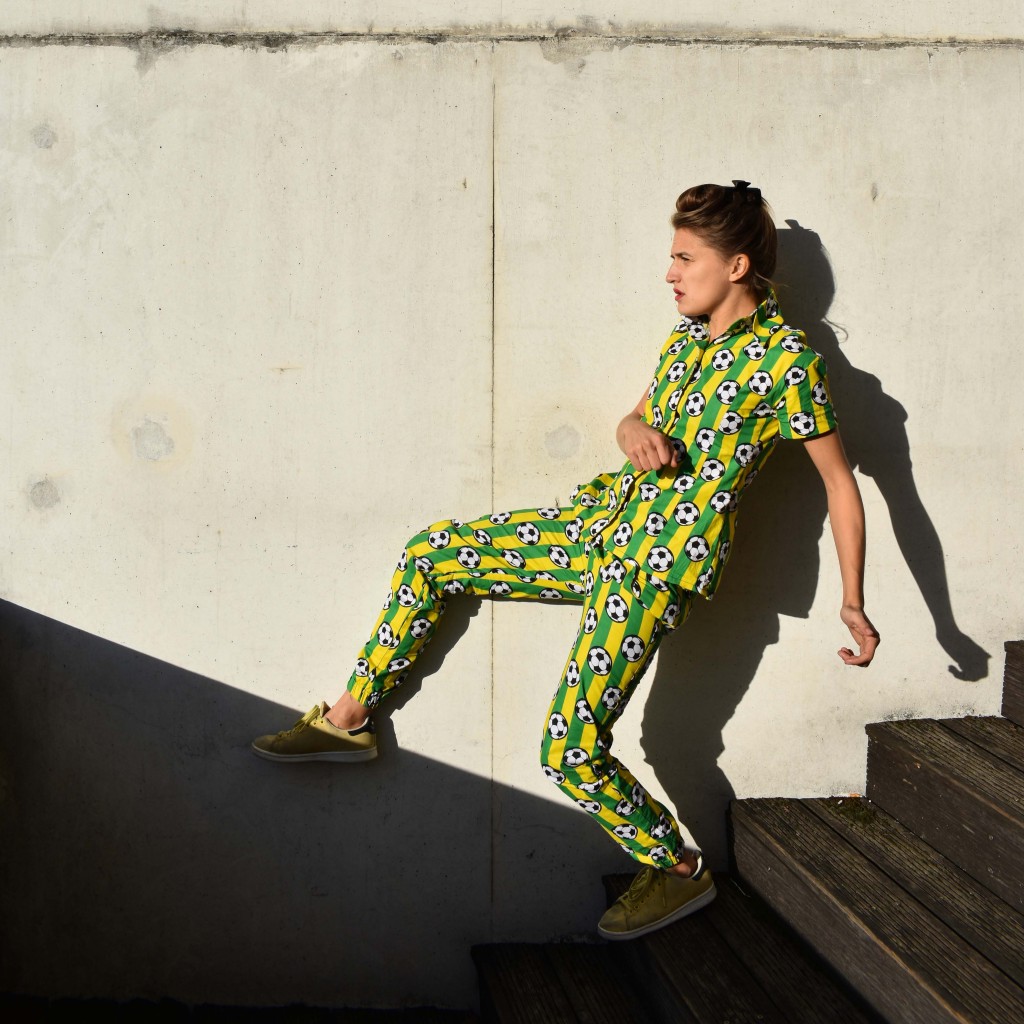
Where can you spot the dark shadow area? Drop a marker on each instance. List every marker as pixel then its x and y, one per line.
pixel 148 854
pixel 706 668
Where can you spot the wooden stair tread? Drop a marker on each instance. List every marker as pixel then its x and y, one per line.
pixel 974 913
pixel 556 983
pixel 998 736
pixel 965 764
pixel 745 936
pixel 904 960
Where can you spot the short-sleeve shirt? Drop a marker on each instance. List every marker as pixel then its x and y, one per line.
pixel 724 403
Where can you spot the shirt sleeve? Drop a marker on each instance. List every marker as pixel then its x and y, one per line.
pixel 805 409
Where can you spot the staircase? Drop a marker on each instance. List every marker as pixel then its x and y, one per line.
pixel 905 907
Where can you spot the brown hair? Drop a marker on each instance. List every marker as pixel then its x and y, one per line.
pixel 732 219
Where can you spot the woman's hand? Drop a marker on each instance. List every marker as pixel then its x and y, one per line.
pixel 865 636
pixel 645 447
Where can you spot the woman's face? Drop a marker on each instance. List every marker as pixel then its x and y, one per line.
pixel 700 276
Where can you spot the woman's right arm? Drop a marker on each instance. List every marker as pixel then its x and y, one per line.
pixel 644 446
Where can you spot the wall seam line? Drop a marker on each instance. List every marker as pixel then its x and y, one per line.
pixel 494 377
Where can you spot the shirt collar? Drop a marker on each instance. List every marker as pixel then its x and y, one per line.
pixel 762 322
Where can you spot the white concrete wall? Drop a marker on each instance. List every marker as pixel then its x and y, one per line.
pixel 258 330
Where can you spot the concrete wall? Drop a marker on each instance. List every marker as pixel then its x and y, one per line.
pixel 270 306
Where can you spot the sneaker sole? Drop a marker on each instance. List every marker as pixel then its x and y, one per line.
pixel 326 755
pixel 697 903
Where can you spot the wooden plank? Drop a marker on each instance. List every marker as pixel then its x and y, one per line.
pixel 1013 681
pixel 518 986
pixel 598 984
pixel 974 913
pixel 903 960
pixel 799 983
pixel 998 736
pixel 963 801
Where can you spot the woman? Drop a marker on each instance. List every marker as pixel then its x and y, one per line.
pixel 634 548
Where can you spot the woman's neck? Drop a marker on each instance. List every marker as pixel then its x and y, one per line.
pixel 733 308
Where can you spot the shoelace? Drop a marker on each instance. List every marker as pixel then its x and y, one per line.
pixel 310 716
pixel 638 889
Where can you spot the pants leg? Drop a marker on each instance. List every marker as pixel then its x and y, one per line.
pixel 623 622
pixel 533 553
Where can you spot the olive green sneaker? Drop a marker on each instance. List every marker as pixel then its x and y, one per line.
pixel 313 738
pixel 654 899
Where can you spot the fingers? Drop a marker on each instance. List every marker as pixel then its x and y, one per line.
pixel 867 642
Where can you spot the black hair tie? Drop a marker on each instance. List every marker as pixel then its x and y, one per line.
pixel 744 190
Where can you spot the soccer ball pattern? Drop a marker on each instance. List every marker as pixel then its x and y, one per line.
pixel 628 541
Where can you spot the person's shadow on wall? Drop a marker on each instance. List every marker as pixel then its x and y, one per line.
pixel 706 668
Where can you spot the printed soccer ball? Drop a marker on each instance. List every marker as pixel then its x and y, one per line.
pixel 388 600
pixel 694 404
pixel 585 715
pixel 704 580
pixel 792 343
pixel 712 470
pixel 572 530
pixel 553 774
pixel 723 550
pixel 626 482
pixel 549 513
pixel 649 492
pixel 547 594
pixel 638 794
pixel 819 393
pixel 653 388
pixel 670 614
pixel 802 423
pixel 727 391
pixel 617 608
pixel 588 500
pixel 362 667
pixel 454 587
pixel 622 535
pixel 575 756
pixel 722 501
pixel 686 513
pixel 500 518
pixel 760 382
pixel 696 549
pixel 528 533
pixel 662 828
pixel 625 831
pixel 513 558
pixel 633 648
pixel 590 806
pixel 482 537
pixel 624 808
pixel 795 375
pixel 499 590
pixel 675 373
pixel 755 350
pixel 660 558
pixel 677 346
pixel 762 410
pixel 611 698
pixel 590 583
pixel 468 558
pixel 572 674
pixel 600 661
pixel 745 454
pixel 559 556
pixel 420 628
pixel 558 727
pixel 576 588
pixel 403 561
pixel 698 331
pixel 731 423
pixel 722 359
pixel 423 563
pixel 705 439
pixel 406 596
pixel 598 526
pixel 657 417
pixel 655 524
pixel 399 665
pixel 683 483
pixel 657 852
pixel 386 636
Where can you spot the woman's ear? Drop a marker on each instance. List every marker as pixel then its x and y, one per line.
pixel 739 267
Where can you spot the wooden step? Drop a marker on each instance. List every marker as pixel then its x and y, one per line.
pixel 909 965
pixel 557 983
pixel 737 961
pixel 959 785
pixel 1013 681
pixel 977 915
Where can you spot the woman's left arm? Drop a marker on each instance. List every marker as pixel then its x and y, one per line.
pixel 846 514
